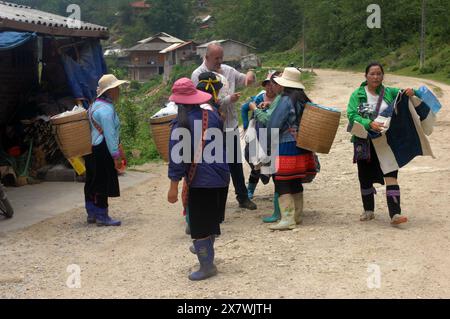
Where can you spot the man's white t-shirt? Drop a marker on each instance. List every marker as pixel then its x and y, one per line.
pixel 234 80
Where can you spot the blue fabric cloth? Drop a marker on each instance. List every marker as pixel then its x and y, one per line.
pixel 83 75
pixel 10 40
pixel 285 117
pixel 104 114
pixel 245 109
pixel 208 175
pixel 291 149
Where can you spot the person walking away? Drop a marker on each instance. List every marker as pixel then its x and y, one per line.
pixel 207 181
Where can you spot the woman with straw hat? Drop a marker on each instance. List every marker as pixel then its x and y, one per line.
pixel 294 165
pixel 107 155
pixel 207 179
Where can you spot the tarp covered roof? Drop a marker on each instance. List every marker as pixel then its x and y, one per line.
pixel 11 39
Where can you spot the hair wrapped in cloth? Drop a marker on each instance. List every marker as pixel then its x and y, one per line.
pixel 209 82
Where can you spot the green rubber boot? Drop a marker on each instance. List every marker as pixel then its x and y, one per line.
pixel 276 213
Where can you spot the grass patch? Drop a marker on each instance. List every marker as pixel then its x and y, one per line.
pixel 137 105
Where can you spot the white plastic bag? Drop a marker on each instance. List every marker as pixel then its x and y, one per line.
pixel 170 109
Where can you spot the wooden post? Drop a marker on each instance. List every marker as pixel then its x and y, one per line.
pixel 423 35
pixel 304 40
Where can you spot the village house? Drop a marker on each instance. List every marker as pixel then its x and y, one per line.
pixel 233 50
pixel 139 6
pixel 157 55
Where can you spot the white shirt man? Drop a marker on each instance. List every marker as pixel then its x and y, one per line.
pixel 213 63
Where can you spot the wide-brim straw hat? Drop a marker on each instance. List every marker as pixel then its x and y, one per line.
pixel 185 92
pixel 290 79
pixel 108 82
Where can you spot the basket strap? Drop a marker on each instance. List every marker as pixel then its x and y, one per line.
pixel 93 121
pixel 56 135
pixel 380 100
pixel 197 158
pixel 199 152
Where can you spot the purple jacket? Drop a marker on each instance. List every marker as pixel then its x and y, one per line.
pixel 208 175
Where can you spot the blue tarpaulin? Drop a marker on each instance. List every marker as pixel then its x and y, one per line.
pixel 10 40
pixel 83 75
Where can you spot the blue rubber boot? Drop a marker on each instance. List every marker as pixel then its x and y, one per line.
pixel 103 219
pixel 205 255
pixel 251 190
pixel 192 248
pixel 90 210
pixel 276 213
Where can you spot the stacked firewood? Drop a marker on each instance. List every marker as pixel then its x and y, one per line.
pixel 44 142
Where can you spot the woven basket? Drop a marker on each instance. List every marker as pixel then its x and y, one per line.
pixel 160 128
pixel 318 128
pixel 73 134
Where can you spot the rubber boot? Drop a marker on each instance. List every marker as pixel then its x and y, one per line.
pixel 205 255
pixel 251 187
pixel 192 248
pixel 90 210
pixel 287 208
pixel 103 219
pixel 298 200
pixel 276 213
pixel 188 227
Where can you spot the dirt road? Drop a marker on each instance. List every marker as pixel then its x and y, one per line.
pixel 327 257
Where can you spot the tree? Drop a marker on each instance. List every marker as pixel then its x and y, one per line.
pixel 171 16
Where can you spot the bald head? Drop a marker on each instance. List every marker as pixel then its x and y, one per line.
pixel 214 57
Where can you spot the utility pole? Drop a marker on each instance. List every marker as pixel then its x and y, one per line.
pixel 422 35
pixel 304 39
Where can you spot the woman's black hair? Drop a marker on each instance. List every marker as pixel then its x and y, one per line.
pixel 296 95
pixel 183 119
pixel 372 65
pixel 274 75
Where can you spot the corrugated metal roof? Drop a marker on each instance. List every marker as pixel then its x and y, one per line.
pixel 175 46
pixel 164 37
pixel 24 18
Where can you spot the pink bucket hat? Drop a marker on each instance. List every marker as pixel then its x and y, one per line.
pixel 184 92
